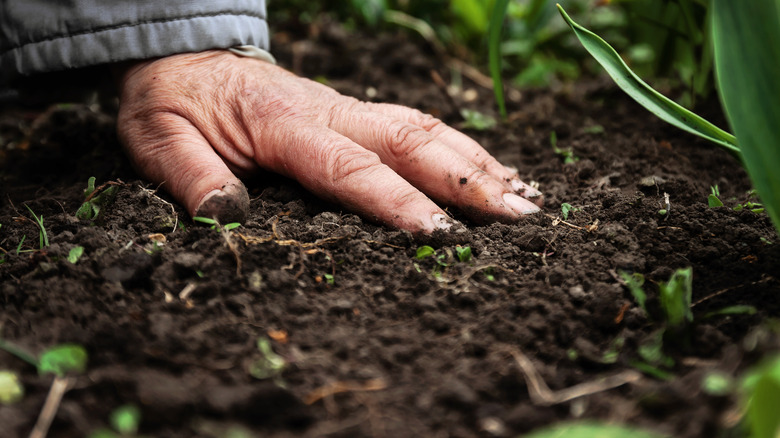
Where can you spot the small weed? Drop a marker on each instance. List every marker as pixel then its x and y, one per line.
pixel 713 200
pixel 329 279
pixel 464 253
pixel 60 359
pixel 566 209
pixel 215 225
pixel 477 120
pixel 124 423
pixel 96 199
pixel 676 295
pixel 42 235
pixel 567 154
pixel 270 365
pixel 21 242
pixel 75 254
pixel 11 389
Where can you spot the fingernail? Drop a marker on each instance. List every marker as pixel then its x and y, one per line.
pixel 442 222
pixel 524 189
pixel 229 204
pixel 519 205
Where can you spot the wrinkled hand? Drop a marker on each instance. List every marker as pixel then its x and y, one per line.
pixel 197 121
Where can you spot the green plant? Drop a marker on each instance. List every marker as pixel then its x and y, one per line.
pixel 59 360
pixel 42 235
pixel 124 421
pixel 75 254
pixel 463 253
pixel 675 296
pixel 567 154
pixel 761 388
pixel 95 199
pixel 713 199
pixel 270 365
pixel 567 209
pixel 11 389
pixel 215 225
pixel 745 44
pixel 476 120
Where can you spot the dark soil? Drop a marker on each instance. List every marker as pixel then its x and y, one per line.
pixel 388 349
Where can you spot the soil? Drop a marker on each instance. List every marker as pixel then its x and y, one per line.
pixel 377 342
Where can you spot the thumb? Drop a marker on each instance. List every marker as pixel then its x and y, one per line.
pixel 168 150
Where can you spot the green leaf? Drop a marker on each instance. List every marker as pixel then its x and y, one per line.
pixel 464 253
pixel 11 389
pixel 476 120
pixel 270 364
pixel 717 383
pixel 90 186
pixel 738 309
pixel 330 279
pixel 63 359
pixel 713 201
pixel 75 254
pixel 634 283
pixel 763 398
pixel 589 429
pixel 566 208
pixel 655 102
pixel 424 251
pixel 676 297
pixel 125 419
pixel 204 220
pixel 231 226
pixel 494 52
pixel 746 37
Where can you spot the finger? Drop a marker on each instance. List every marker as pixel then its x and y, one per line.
pixel 169 150
pixel 433 167
pixel 335 168
pixel 462 144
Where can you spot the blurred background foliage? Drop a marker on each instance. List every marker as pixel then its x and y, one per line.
pixel 664 41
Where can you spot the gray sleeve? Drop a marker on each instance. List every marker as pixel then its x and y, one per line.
pixel 38 36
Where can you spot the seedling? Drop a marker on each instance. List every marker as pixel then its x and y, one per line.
pixel 589 429
pixel 124 423
pixel 215 225
pixel 713 200
pixel 566 209
pixel 762 394
pixel 675 296
pixel 75 254
pixel 567 154
pixel 42 235
pixel 329 279
pixel 634 283
pixel 269 365
pixel 477 120
pixel 11 389
pixel 464 253
pixel 59 360
pixel 95 199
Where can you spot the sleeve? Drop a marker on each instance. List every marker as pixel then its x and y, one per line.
pixel 39 36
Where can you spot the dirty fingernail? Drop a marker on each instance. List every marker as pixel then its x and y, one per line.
pixel 519 205
pixel 229 204
pixel 442 222
pixel 524 189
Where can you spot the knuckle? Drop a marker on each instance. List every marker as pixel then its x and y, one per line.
pixel 345 164
pixel 405 139
pixel 426 121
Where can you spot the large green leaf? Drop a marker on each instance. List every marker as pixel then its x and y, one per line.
pixel 494 52
pixel 746 38
pixel 655 102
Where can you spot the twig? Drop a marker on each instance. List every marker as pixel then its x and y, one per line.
pixel 58 389
pixel 542 395
pixel 339 387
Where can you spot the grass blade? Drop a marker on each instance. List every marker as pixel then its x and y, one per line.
pixel 494 52
pixel 655 102
pixel 746 37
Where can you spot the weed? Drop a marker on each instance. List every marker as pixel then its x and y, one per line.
pixel 270 365
pixel 567 154
pixel 96 199
pixel 634 282
pixel 124 423
pixel 761 388
pixel 464 253
pixel 675 296
pixel 713 200
pixel 75 254
pixel 477 120
pixel 21 242
pixel 59 360
pixel 566 209
pixel 42 235
pixel 215 225
pixel 329 279
pixel 11 389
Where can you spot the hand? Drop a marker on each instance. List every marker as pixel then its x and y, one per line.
pixel 196 121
